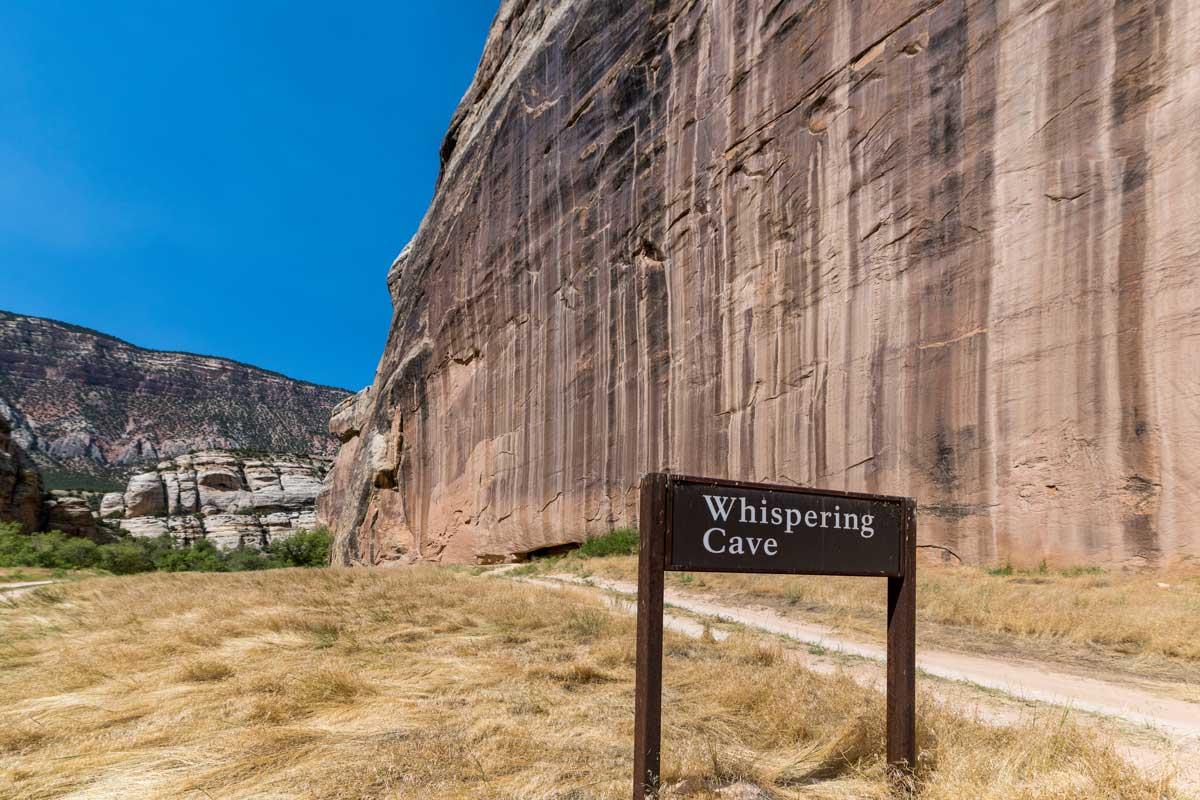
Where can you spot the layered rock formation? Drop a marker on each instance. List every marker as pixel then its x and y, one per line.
pixel 20 484
pixel 72 515
pixel 84 402
pixel 931 247
pixel 229 499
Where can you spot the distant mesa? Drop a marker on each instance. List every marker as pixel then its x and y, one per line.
pixel 89 408
pixel 217 449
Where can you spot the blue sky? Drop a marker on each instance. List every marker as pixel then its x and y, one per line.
pixel 226 178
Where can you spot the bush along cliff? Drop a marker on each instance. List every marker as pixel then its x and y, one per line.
pixel 932 249
pixel 123 554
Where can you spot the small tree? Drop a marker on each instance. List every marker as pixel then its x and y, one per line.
pixel 126 557
pixel 303 549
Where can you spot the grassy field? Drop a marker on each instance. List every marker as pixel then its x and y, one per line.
pixel 433 683
pixel 1142 623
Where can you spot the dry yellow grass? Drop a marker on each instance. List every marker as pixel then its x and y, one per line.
pixel 1147 623
pixel 21 574
pixel 430 684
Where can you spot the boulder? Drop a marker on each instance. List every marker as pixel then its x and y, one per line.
pixel 230 531
pixel 112 505
pixel 147 527
pixel 145 496
pixel 72 516
pixel 347 418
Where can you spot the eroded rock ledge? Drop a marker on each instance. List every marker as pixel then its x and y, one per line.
pixel 930 247
pixel 20 483
pixel 229 499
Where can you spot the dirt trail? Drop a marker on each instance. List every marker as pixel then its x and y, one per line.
pixel 9 591
pixel 1143 719
pixel 1025 680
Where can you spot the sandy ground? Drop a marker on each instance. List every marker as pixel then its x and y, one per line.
pixel 1150 729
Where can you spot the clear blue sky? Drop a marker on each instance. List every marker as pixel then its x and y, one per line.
pixel 227 178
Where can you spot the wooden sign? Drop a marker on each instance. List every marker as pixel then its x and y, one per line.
pixel 718 526
pixel 713 525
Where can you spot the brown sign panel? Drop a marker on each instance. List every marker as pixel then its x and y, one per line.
pixel 715 525
pixel 729 526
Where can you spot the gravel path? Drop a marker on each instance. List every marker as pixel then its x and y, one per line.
pixel 1156 731
pixel 8 591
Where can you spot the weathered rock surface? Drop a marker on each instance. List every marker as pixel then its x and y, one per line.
pixel 939 248
pixel 230 499
pixel 20 484
pixel 71 515
pixel 84 402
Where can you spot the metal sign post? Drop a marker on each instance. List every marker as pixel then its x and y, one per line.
pixel 714 525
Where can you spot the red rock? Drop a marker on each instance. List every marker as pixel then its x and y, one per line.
pixel 946 250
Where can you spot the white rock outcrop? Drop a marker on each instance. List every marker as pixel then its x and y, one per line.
pixel 230 499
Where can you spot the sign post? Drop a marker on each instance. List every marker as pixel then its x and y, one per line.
pixel 713 525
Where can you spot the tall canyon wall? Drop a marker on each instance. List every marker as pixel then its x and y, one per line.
pixel 940 248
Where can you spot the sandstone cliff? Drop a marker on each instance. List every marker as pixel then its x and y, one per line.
pixel 71 514
pixel 20 484
pixel 930 247
pixel 85 403
pixel 229 499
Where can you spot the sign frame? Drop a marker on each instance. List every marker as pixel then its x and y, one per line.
pixel 656 540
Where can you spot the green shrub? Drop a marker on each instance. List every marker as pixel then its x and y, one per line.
pixel 303 549
pixel 129 555
pixel 126 557
pixel 200 556
pixel 1075 572
pixel 246 560
pixel 621 542
pixel 54 550
pixel 77 553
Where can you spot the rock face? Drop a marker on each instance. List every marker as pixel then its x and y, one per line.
pixel 20 484
pixel 229 499
pixel 937 248
pixel 71 515
pixel 83 402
